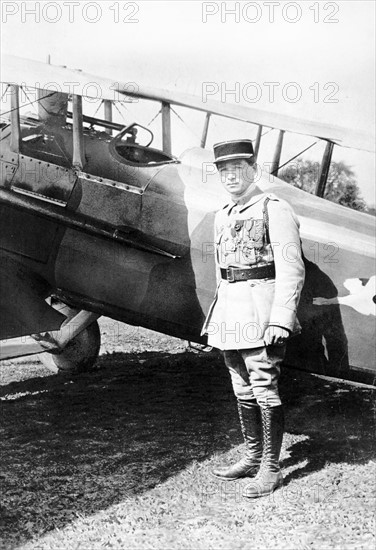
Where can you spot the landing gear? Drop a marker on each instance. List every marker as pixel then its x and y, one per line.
pixel 81 352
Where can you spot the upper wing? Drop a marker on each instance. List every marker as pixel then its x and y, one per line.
pixel 37 74
pixel 345 137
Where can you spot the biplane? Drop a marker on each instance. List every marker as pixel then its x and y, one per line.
pixel 96 220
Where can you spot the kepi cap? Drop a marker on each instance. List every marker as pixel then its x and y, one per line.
pixel 232 150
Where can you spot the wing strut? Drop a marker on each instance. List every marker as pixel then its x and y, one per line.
pixel 258 141
pixel 277 154
pixel 78 138
pixel 166 128
pixel 324 170
pixel 205 130
pixel 15 140
pixel 108 113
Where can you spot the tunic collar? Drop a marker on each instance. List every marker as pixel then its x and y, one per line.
pixel 250 202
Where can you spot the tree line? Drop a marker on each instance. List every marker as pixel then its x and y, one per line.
pixel 341 186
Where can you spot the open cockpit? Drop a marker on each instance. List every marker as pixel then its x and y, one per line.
pixel 127 146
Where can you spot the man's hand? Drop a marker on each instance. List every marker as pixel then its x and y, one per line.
pixel 275 336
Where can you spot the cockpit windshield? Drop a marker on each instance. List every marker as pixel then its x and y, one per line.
pixel 132 145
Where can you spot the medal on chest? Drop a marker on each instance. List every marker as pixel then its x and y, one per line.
pixel 235 228
pixel 235 236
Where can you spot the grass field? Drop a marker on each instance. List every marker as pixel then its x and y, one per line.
pixel 121 458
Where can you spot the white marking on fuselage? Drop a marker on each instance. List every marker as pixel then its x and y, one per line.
pixel 361 298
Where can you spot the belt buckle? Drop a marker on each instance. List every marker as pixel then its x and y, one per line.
pixel 230 275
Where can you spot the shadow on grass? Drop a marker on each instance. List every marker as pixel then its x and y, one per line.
pixel 74 448
pixel 338 419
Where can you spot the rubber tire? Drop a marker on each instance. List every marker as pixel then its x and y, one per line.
pixel 80 354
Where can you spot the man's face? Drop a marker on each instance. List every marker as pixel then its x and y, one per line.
pixel 237 176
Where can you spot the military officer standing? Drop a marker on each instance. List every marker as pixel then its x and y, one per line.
pixel 260 274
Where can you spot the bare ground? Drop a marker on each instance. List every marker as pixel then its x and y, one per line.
pixel 120 458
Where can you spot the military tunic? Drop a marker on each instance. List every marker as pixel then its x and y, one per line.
pixel 242 310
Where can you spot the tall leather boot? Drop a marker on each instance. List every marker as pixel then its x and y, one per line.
pixel 269 476
pixel 250 422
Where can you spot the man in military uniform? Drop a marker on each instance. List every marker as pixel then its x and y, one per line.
pixel 260 274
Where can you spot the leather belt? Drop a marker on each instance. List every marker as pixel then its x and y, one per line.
pixel 234 274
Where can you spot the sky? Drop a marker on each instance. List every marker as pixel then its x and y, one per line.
pixel 319 55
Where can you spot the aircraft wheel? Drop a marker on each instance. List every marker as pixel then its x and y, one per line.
pixel 80 354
